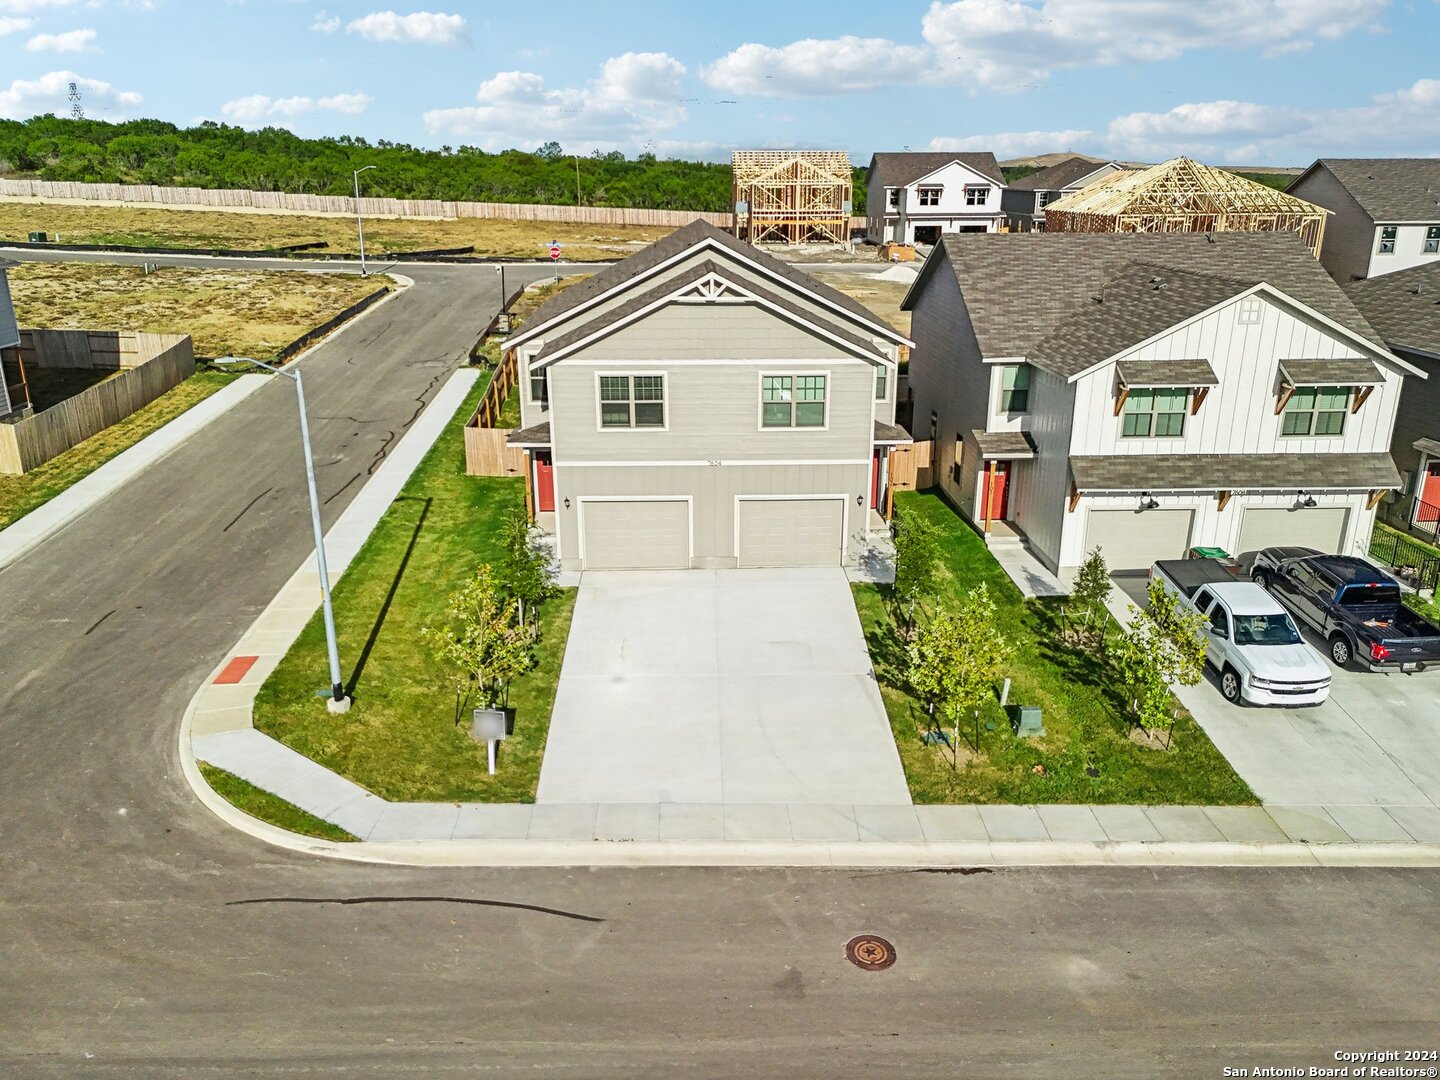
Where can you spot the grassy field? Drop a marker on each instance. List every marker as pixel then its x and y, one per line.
pixel 239 312
pixel 259 803
pixel 402 739
pixel 21 494
pixel 1084 725
pixel 138 227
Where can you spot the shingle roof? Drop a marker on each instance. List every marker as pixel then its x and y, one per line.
pixel 535 435
pixel 676 243
pixel 1034 294
pixel 1219 472
pixel 890 433
pixel 1004 444
pixel 1332 372
pixel 1404 306
pixel 1059 175
pixel 897 170
pixel 1390 189
pixel 1140 373
pixel 1427 446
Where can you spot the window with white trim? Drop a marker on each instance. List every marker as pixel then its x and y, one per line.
pixel 540 386
pixel 1432 239
pixel 1387 239
pixel 1249 311
pixel 880 384
pixel 792 401
pixel 929 196
pixel 1157 413
pixel 1044 199
pixel 632 401
pixel 1015 388
pixel 976 195
pixel 894 198
pixel 1316 410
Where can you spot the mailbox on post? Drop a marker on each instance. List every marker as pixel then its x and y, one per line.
pixel 489 726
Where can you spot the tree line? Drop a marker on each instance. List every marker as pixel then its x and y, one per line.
pixel 213 155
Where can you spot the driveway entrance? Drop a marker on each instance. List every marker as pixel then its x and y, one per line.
pixel 711 686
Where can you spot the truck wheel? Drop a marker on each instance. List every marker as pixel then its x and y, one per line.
pixel 1261 578
pixel 1340 650
pixel 1231 686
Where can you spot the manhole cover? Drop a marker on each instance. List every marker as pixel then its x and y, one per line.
pixel 870 952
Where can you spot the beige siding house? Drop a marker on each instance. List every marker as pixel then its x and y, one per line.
pixel 1146 394
pixel 703 405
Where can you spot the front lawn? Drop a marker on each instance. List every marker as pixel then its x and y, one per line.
pixel 1084 723
pixel 401 738
pixel 269 808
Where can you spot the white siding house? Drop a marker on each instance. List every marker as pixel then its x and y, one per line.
pixel 914 198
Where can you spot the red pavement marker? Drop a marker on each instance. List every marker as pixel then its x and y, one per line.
pixel 235 670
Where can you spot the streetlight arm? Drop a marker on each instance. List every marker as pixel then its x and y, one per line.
pixel 229 361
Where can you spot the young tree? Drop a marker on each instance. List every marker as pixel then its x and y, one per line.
pixel 1091 590
pixel 1162 647
pixel 917 558
pixel 525 570
pixel 955 660
pixel 482 645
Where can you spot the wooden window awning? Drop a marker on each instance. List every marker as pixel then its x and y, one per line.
pixel 1195 375
pixel 1362 376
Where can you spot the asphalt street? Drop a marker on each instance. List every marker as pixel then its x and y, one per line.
pixel 141 937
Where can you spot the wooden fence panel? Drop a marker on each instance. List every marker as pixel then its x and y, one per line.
pixel 911 466
pixel 488 454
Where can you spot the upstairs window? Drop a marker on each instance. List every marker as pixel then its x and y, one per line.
pixel 894 198
pixel 1158 414
pixel 632 401
pixel 929 196
pixel 880 384
pixel 976 195
pixel 1387 239
pixel 1432 239
pixel 540 386
pixel 792 401
pixel 1044 199
pixel 1316 410
pixel 1249 311
pixel 1015 388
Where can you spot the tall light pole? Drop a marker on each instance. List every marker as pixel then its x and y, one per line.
pixel 504 322
pixel 359 223
pixel 338 702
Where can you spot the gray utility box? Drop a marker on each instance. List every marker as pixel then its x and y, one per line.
pixel 487 724
pixel 1026 720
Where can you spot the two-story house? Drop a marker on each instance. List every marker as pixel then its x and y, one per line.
pixel 1149 393
pixel 1024 200
pixel 1386 213
pixel 9 342
pixel 912 198
pixel 702 404
pixel 1405 308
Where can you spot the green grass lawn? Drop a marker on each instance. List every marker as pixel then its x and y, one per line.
pixel 1084 723
pixel 402 738
pixel 269 808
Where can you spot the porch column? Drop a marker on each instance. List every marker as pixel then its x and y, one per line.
pixel 989 494
pixel 529 486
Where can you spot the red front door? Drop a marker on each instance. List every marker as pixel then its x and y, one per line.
pixel 875 481
pixel 1428 511
pixel 544 482
pixel 999 491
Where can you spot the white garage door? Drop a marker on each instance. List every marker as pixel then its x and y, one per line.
pixel 1319 527
pixel 791 532
pixel 643 534
pixel 1133 539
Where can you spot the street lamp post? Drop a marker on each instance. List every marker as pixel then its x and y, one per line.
pixel 504 322
pixel 338 702
pixel 359 223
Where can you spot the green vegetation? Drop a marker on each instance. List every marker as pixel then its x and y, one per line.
pixel 215 155
pixel 271 809
pixel 1018 172
pixel 406 737
pixel 1278 181
pixel 1084 716
pixel 1396 548
pixel 21 494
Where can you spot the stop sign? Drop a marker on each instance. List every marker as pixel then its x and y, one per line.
pixel 554 251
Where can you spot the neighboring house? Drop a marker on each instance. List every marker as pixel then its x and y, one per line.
pixel 913 198
pixel 1405 308
pixel 9 342
pixel 1386 213
pixel 703 404
pixel 1024 200
pixel 1149 393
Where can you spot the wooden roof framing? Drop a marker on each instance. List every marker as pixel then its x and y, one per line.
pixel 1181 195
pixel 792 196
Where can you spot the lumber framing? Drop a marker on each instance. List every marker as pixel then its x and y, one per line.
pixel 792 196
pixel 1182 195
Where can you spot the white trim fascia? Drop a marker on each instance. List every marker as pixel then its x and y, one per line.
pixel 844 518
pixel 956 161
pixel 638 463
pixel 1004 360
pixel 581 500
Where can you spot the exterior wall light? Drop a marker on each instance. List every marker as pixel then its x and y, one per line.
pixel 1147 501
pixel 567 502
pixel 1307 500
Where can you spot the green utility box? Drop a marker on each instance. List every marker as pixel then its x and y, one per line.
pixel 1027 721
pixel 1209 553
pixel 39 238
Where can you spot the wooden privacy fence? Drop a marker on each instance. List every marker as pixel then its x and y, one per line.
pixel 148 365
pixel 911 467
pixel 486 451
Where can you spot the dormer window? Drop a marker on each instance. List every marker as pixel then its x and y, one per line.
pixel 976 195
pixel 929 196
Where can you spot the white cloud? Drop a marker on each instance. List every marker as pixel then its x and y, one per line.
pixel 70 41
pixel 25 98
pixel 325 23
pixel 419 28
pixel 1018 143
pixel 1012 45
pixel 636 96
pixel 11 25
pixel 29 7
pixel 257 107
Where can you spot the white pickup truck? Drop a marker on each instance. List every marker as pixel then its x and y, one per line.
pixel 1249 638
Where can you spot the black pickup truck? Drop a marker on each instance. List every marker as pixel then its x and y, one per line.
pixel 1352 605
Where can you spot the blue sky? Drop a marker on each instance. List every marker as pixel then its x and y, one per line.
pixel 1231 81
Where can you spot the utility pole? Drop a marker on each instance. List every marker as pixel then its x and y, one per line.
pixel 577 181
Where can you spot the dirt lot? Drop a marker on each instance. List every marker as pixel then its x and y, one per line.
pixel 881 297
pixel 239 312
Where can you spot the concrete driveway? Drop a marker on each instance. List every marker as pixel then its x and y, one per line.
pixel 1375 742
pixel 719 686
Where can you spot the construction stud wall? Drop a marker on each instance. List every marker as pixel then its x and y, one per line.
pixel 792 196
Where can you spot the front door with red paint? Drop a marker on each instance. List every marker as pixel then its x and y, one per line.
pixel 544 482
pixel 1428 512
pixel 875 481
pixel 999 491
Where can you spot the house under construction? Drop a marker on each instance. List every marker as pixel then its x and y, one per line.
pixel 1182 195
pixel 792 196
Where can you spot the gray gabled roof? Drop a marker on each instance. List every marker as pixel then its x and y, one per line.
pixel 1221 472
pixel 897 170
pixel 668 247
pixel 1388 189
pixel 1404 306
pixel 1060 175
pixel 1070 300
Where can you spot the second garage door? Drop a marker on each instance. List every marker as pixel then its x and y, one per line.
pixel 638 534
pixel 790 532
pixel 1132 540
pixel 1321 527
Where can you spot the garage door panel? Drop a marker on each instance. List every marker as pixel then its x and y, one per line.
pixel 790 532
pixel 639 534
pixel 1133 540
pixel 1319 527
